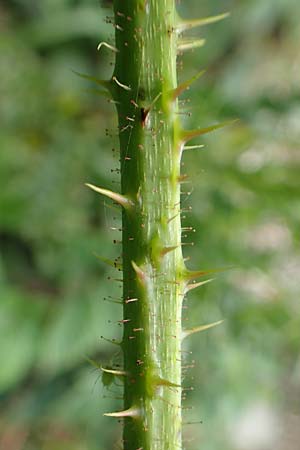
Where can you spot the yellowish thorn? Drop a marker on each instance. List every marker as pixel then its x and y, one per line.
pixel 192 147
pixel 185 85
pixel 189 24
pixel 186 333
pixel 166 250
pixel 188 44
pixel 131 412
pixel 192 274
pixel 196 285
pixel 118 198
pixel 190 134
pixel 114 372
pixel 103 83
pixel 140 274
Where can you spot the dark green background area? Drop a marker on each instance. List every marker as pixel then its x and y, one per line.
pixel 56 134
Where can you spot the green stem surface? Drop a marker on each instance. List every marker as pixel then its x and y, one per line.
pixel 143 86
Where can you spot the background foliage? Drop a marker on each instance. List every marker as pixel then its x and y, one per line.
pixel 56 134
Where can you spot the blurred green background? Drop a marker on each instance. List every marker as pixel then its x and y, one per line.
pixel 56 134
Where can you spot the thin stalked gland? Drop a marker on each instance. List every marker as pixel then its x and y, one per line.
pixel 118 198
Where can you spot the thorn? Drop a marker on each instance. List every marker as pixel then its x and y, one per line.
pixel 192 286
pixel 191 147
pixel 188 44
pixel 154 101
pixel 103 83
pixel 140 274
pixel 186 333
pixel 105 94
pixel 192 274
pixel 111 341
pixel 131 412
pixel 131 300
pixel 163 382
pixel 189 24
pixel 166 250
pixel 192 423
pixel 145 111
pixel 172 218
pixel 113 301
pixel 113 371
pixel 185 85
pixel 109 262
pixel 123 86
pixel 118 198
pixel 182 179
pixel 188 135
pixel 110 47
pixel 93 363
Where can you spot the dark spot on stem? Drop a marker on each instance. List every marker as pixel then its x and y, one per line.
pixel 144 114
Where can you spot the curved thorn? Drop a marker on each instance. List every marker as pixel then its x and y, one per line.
pixel 192 286
pixel 190 134
pixel 110 47
pixel 189 24
pixel 188 44
pixel 186 333
pixel 123 86
pixel 185 85
pixel 118 198
pixel 131 412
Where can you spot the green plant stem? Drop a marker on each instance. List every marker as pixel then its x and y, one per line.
pixel 143 85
